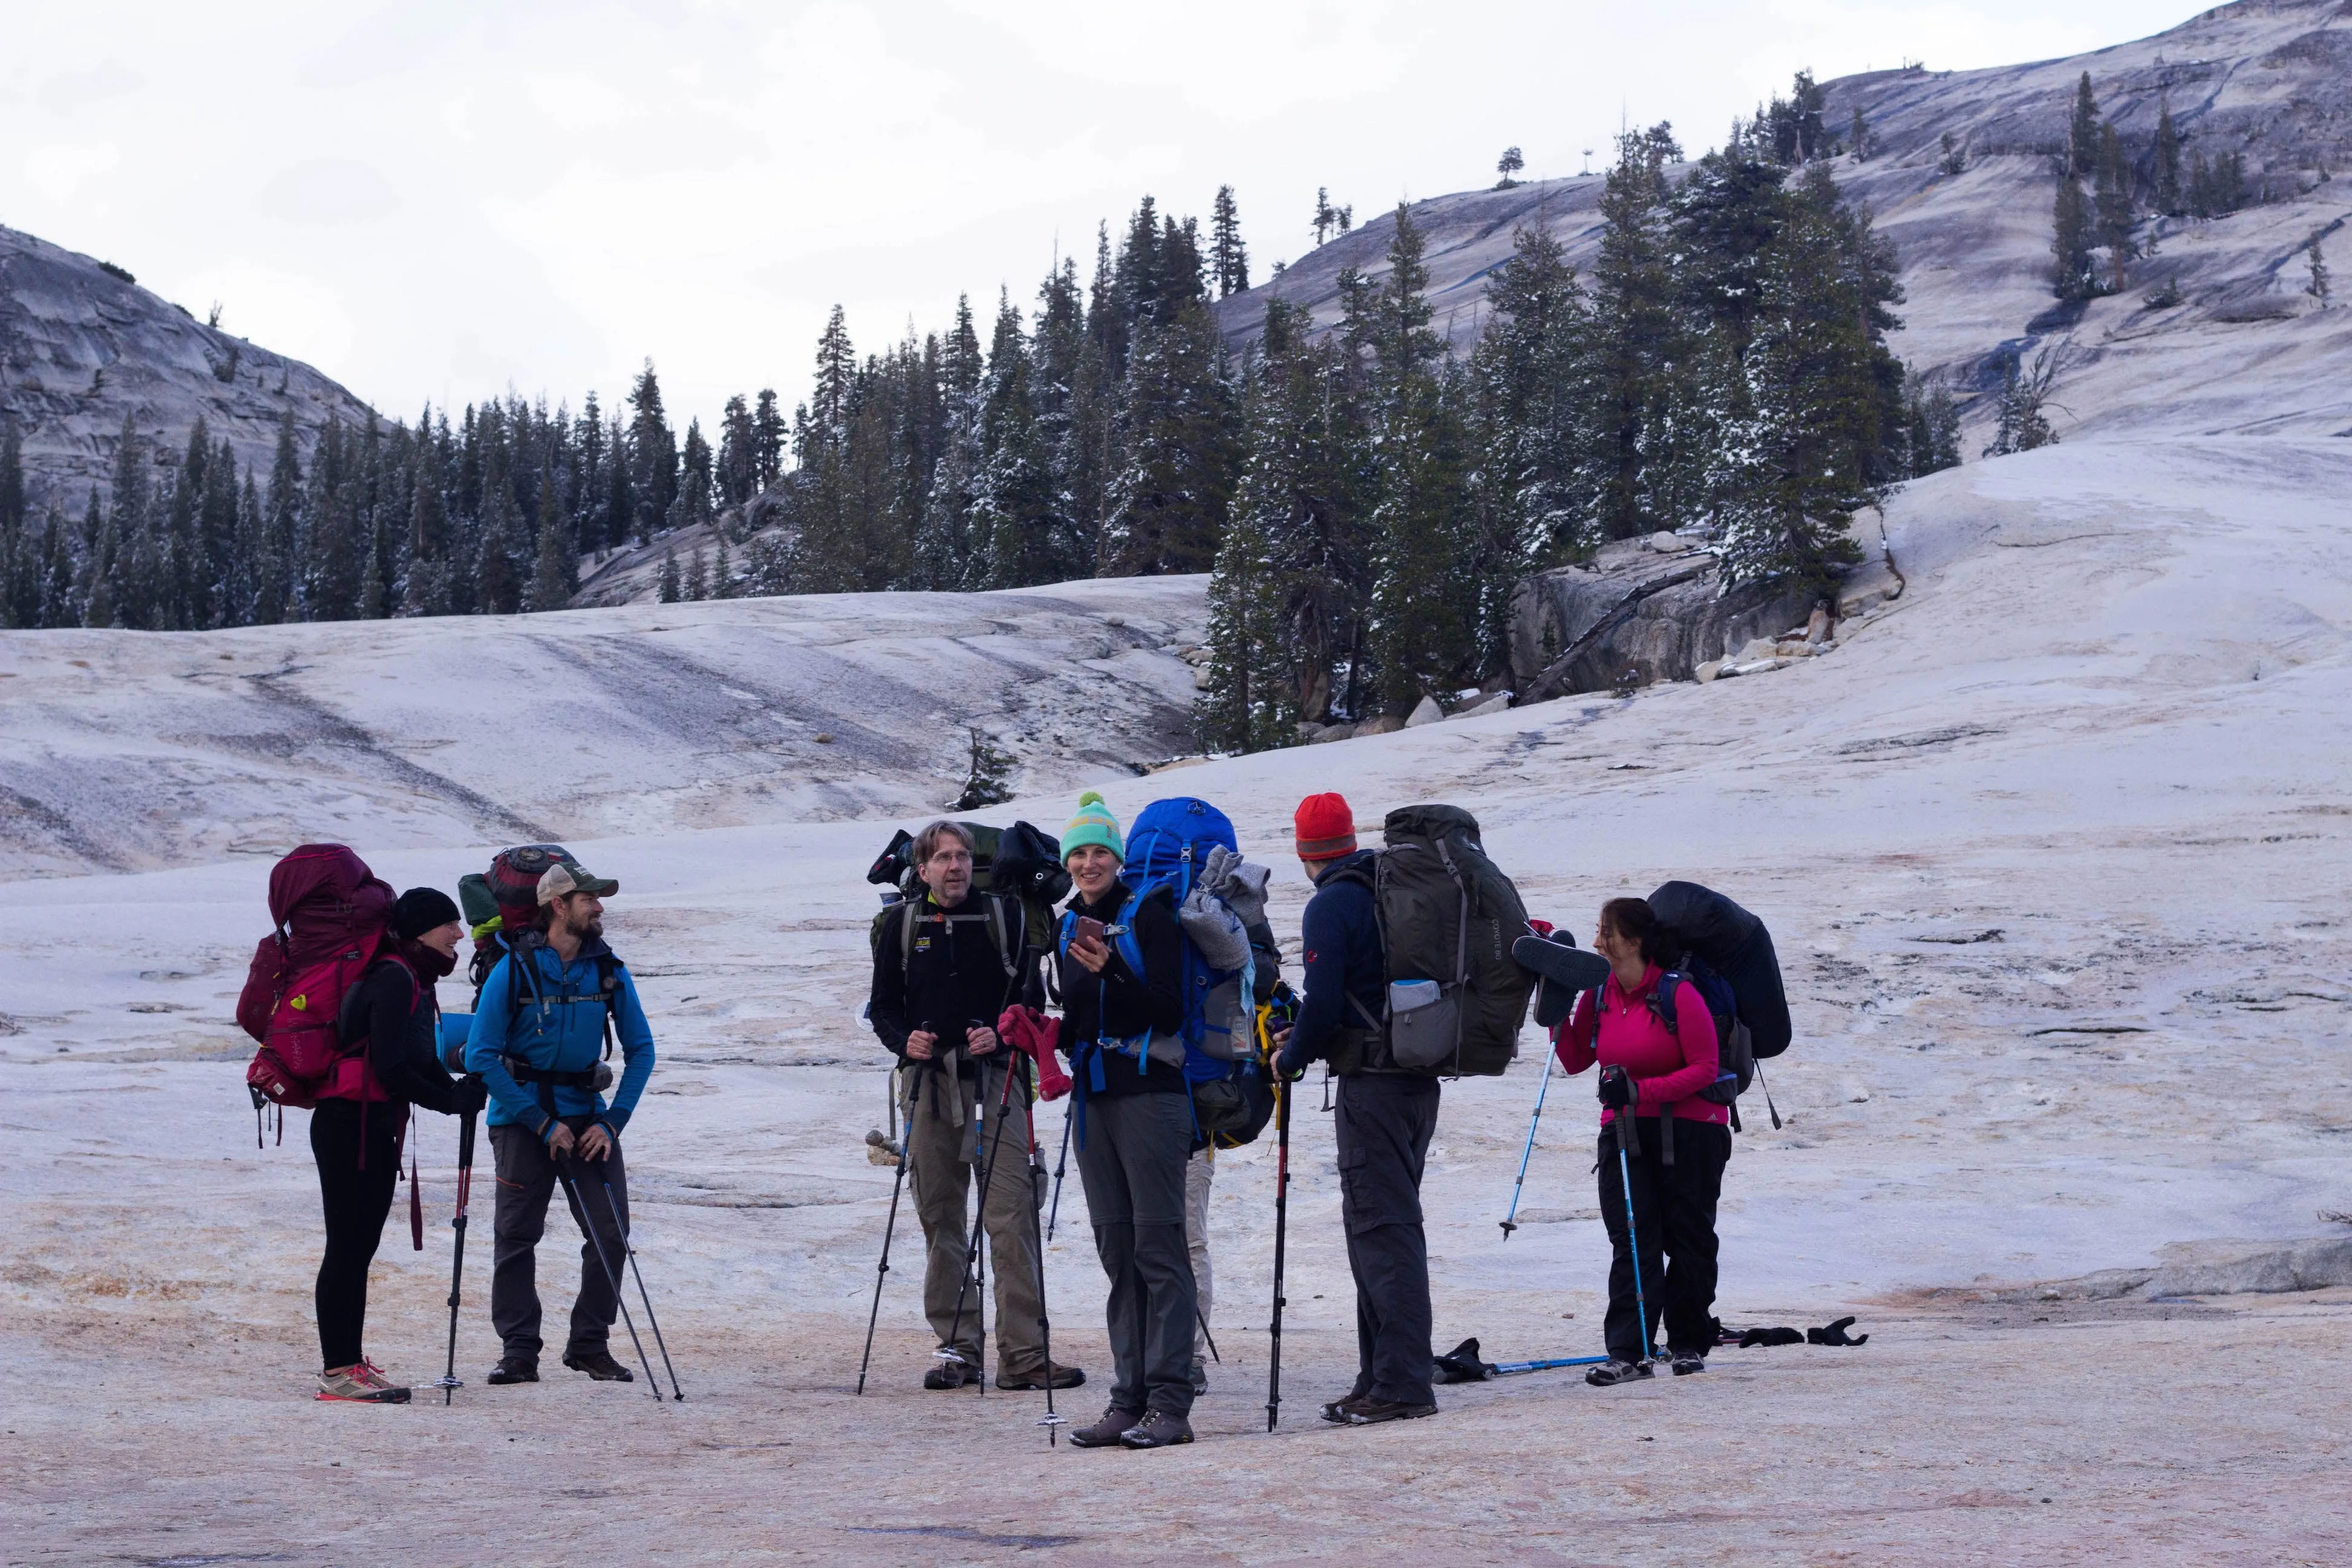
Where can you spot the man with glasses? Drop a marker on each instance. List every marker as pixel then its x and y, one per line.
pixel 947 963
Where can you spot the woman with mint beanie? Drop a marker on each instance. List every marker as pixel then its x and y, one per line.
pixel 1123 1032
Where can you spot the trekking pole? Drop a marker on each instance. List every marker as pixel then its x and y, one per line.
pixel 1281 1216
pixel 980 1216
pixel 457 1268
pixel 613 1202
pixel 1062 1163
pixel 1053 1422
pixel 1202 1318
pixel 1525 1155
pixel 612 1275
pixel 1633 1240
pixel 914 1100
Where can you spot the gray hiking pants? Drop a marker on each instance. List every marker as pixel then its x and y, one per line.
pixel 944 1154
pixel 1132 1158
pixel 1383 1124
pixel 1198 1173
pixel 527 1180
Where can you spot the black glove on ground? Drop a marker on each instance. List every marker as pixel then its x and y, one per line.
pixel 1833 1335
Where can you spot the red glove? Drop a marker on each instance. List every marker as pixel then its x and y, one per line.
pixel 1033 1034
pixel 1541 928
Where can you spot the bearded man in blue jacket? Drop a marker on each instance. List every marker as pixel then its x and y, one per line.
pixel 542 1028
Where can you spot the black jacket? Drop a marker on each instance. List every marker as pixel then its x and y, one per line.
pixel 1117 1006
pixel 955 976
pixel 400 1020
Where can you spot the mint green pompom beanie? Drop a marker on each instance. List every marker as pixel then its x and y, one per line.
pixel 1092 825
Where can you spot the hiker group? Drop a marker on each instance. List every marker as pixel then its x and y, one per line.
pixel 1151 948
pixel 1419 963
pixel 342 997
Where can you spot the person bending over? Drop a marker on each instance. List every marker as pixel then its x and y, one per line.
pixel 391 1016
pixel 537 1038
pixel 1675 1144
pixel 949 962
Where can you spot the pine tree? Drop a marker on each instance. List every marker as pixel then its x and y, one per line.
pixel 722 574
pixel 243 600
pixel 694 480
pixel 1229 259
pixel 1932 422
pixel 554 565
pixel 1016 522
pixel 653 456
pixel 93 594
pixel 1250 702
pixel 274 572
pixel 2317 288
pixel 2022 425
pixel 767 440
pixel 1506 167
pixel 2082 132
pixel 1423 599
pixel 1858 137
pixel 667 581
pixel 20 592
pixel 2071 278
pixel 223 546
pixel 1635 325
pixel 738 459
pixel 128 567
pixel 698 578
pixel 2169 200
pixel 1166 500
pixel 2113 205
pixel 59 606
pixel 2200 188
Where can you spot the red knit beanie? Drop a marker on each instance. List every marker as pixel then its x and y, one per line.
pixel 1325 827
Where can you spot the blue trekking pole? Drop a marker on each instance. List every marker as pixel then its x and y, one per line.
pixel 1527 1154
pixel 1633 1240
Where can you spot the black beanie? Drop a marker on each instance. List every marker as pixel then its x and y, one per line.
pixel 421 910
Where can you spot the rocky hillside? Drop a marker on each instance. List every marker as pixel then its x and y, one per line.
pixel 2214 334
pixel 82 347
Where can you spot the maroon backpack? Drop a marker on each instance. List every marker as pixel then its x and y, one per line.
pixel 511 890
pixel 327 911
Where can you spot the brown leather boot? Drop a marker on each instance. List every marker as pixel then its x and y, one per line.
pixel 1104 1433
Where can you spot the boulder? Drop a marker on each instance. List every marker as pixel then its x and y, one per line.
pixel 1425 711
pixel 1379 724
pixel 1327 733
pixel 1634 609
pixel 1500 702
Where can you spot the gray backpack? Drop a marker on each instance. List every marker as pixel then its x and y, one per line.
pixel 1448 917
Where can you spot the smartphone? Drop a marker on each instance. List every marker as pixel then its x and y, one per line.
pixel 1087 931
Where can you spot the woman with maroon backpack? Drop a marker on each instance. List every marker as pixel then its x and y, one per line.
pixel 1658 1137
pixel 388 1021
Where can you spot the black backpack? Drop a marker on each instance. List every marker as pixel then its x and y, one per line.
pixel 1019 863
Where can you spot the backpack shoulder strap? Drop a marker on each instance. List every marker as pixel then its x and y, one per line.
pixel 1002 911
pixel 909 911
pixel 1662 1000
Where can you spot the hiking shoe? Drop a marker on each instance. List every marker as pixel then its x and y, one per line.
pixel 1105 1433
pixel 1027 1382
pixel 1609 1374
pixel 1158 1429
pixel 1337 1411
pixel 947 1374
pixel 599 1364
pixel 514 1369
pixel 1200 1379
pixel 362 1382
pixel 1687 1362
pixel 1370 1410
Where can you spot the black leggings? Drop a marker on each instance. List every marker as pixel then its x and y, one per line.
pixel 356 1197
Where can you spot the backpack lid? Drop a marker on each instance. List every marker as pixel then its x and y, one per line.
pixel 1707 923
pixel 1172 838
pixel 324 898
pixel 1430 822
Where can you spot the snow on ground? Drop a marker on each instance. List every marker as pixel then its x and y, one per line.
pixel 2052 848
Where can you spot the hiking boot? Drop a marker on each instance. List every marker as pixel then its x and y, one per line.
pixel 599 1364
pixel 1337 1411
pixel 1200 1379
pixel 1370 1411
pixel 1688 1362
pixel 1609 1374
pixel 1029 1382
pixel 362 1382
pixel 1105 1433
pixel 514 1369
pixel 1158 1429
pixel 947 1374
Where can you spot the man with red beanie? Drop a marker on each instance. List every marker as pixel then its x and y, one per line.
pixel 1384 1122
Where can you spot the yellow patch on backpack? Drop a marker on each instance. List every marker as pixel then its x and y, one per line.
pixel 299 1003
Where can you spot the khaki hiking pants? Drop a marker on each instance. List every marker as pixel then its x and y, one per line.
pixel 1197 1175
pixel 945 1155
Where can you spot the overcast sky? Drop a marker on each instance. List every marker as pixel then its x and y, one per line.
pixel 436 201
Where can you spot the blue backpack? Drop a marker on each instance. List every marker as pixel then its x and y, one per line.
pixel 1167 848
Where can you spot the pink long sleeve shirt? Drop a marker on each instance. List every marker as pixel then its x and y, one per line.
pixel 1665 1068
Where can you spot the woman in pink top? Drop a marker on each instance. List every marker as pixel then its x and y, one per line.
pixel 1676 1143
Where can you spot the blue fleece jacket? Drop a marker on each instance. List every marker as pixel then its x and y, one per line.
pixel 557 1028
pixel 1340 937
